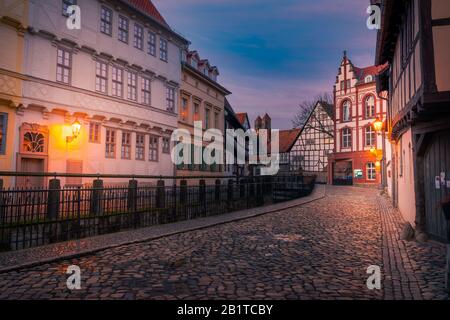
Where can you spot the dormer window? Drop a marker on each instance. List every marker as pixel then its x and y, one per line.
pixel 368 79
pixel 194 63
pixel 205 71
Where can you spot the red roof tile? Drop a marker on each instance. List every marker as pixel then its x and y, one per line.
pixel 361 73
pixel 287 139
pixel 149 8
pixel 241 116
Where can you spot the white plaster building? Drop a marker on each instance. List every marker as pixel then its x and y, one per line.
pixel 118 76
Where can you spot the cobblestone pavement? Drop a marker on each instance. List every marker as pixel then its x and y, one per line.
pixel 320 250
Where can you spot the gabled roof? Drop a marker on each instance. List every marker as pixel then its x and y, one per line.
pixel 242 117
pixel 362 73
pixel 149 8
pixel 288 139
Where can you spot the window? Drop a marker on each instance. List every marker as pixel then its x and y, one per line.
pixel 132 86
pixel 138 36
pixel 194 63
pixel 66 4
pixel 101 76
pixel 342 85
pixel 166 145
pixel 184 109
pixel 216 120
pixel 117 82
pixel 163 49
pixel 368 79
pixel 346 114
pixel 348 84
pixel 371 171
pixel 110 144
pixel 196 112
pixel 146 91
pixel 152 44
pixel 3 128
pixel 170 99
pixel 106 21
pixel 140 146
pixel 63 66
pixel 123 29
pixel 370 136
pixel 126 145
pixel 207 111
pixel 153 149
pixel 94 132
pixel 369 106
pixel 346 138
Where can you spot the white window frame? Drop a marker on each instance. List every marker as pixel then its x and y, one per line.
pixel 117 82
pixel 132 80
pixel 146 91
pixel 101 77
pixel 138 38
pixel 163 49
pixel 106 22
pixel 151 43
pixel 123 28
pixel 170 99
pixel 371 172
pixel 63 65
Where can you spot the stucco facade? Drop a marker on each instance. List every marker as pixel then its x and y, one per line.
pixel 121 92
pixel 357 106
pixel 201 99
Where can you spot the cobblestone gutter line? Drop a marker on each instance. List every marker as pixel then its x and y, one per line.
pixel 399 282
pixel 14 260
pixel 412 270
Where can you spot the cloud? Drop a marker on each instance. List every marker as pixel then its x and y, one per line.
pixel 273 54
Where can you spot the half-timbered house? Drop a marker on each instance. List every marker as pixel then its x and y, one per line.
pixel 314 143
pixel 415 40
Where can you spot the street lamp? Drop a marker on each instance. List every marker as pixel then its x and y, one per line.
pixel 378 126
pixel 76 127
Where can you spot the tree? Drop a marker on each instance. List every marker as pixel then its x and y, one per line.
pixel 306 113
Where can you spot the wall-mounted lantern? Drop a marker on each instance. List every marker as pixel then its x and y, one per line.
pixel 378 125
pixel 76 127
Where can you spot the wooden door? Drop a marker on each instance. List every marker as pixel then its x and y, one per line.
pixel 436 161
pixel 32 165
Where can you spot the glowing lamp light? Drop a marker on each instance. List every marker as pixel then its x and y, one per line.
pixel 76 127
pixel 377 164
pixel 373 151
pixel 378 125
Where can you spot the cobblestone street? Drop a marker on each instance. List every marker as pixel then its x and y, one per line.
pixel 320 250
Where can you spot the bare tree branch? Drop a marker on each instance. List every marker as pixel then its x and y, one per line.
pixel 305 112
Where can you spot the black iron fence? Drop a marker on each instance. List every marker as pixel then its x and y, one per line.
pixel 36 216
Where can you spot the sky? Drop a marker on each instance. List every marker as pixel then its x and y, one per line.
pixel 274 54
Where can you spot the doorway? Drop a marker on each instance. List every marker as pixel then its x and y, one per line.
pixel 32 165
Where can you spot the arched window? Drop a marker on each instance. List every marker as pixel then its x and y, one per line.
pixel 346 138
pixel 346 111
pixel 368 79
pixel 371 171
pixel 370 136
pixel 369 106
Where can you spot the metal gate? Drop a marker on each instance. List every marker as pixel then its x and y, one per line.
pixel 436 162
